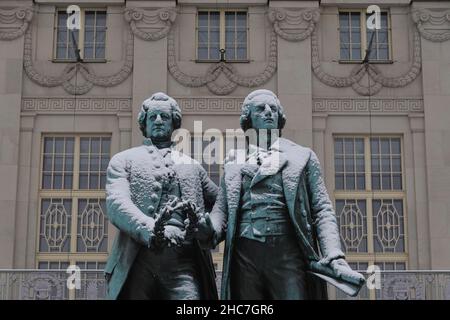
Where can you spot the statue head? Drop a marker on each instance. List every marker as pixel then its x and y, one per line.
pixel 262 110
pixel 160 115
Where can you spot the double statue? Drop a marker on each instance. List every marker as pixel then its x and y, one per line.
pixel 272 209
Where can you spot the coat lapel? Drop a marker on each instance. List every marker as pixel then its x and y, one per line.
pixel 269 167
pixel 297 158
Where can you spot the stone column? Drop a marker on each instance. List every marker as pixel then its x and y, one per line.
pixel 435 50
pixel 11 61
pixel 294 85
pixel 150 61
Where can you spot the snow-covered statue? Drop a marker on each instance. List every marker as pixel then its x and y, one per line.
pixel 274 213
pixel 156 196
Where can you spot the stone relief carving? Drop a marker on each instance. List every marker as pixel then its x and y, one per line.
pixel 225 105
pixel 71 70
pixel 300 25
pixel 293 20
pixel 233 77
pixel 12 17
pixel 150 18
pixel 64 104
pixel 359 71
pixel 398 105
pixel 433 25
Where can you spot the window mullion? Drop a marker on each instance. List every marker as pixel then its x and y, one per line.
pixel 222 29
pixel 76 163
pixel 209 35
pixel 73 225
pixel 81 34
pixel 363 32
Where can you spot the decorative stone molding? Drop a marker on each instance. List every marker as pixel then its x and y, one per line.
pixel 71 105
pixel 11 18
pixel 427 21
pixel 233 77
pixel 379 105
pixel 210 105
pixel 150 18
pixel 294 25
pixel 71 70
pixel 359 71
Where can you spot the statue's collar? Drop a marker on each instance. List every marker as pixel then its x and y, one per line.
pixel 163 151
pixel 253 149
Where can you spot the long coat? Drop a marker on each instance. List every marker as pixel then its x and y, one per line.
pixel 132 190
pixel 310 211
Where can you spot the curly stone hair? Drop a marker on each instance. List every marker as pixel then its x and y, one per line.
pixel 159 96
pixel 245 120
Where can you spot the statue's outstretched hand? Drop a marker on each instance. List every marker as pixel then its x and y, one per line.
pixel 343 271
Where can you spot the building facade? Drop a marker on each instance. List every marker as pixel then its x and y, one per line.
pixel 381 129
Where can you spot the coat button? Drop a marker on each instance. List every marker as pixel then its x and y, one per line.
pixel 308 227
pixel 268 229
pixel 154 197
pixel 157 187
pixel 151 209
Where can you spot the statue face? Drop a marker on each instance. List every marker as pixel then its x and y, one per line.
pixel 264 112
pixel 159 122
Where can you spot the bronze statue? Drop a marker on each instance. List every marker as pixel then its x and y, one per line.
pixel 279 226
pixel 155 196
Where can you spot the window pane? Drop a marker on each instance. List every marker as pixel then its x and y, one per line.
pixel 343 20
pixel 203 53
pixel 241 19
pixel 89 18
pixel 388 225
pixel 350 182
pixel 352 221
pixel 88 51
pixel 54 225
pixel 89 35
pixel 203 19
pixel 100 36
pixel 356 53
pixel 230 19
pixel 241 53
pixel 202 37
pixel 338 146
pixel 339 181
pixel 101 19
pixel 214 19
pixel 338 164
pixel 48 163
pixel 345 37
pixel 355 19
pixel 356 36
pixel 100 52
pixel 92 228
pixel 241 37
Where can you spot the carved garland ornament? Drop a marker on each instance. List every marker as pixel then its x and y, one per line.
pixel 234 79
pixel 70 71
pixel 424 17
pixel 13 16
pixel 150 17
pixel 294 19
pixel 358 72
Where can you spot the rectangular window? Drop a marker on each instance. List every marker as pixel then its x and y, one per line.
pixel 370 199
pixel 72 215
pixel 222 30
pixel 90 39
pixel 355 37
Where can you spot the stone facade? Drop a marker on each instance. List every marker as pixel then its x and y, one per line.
pixel 293 50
